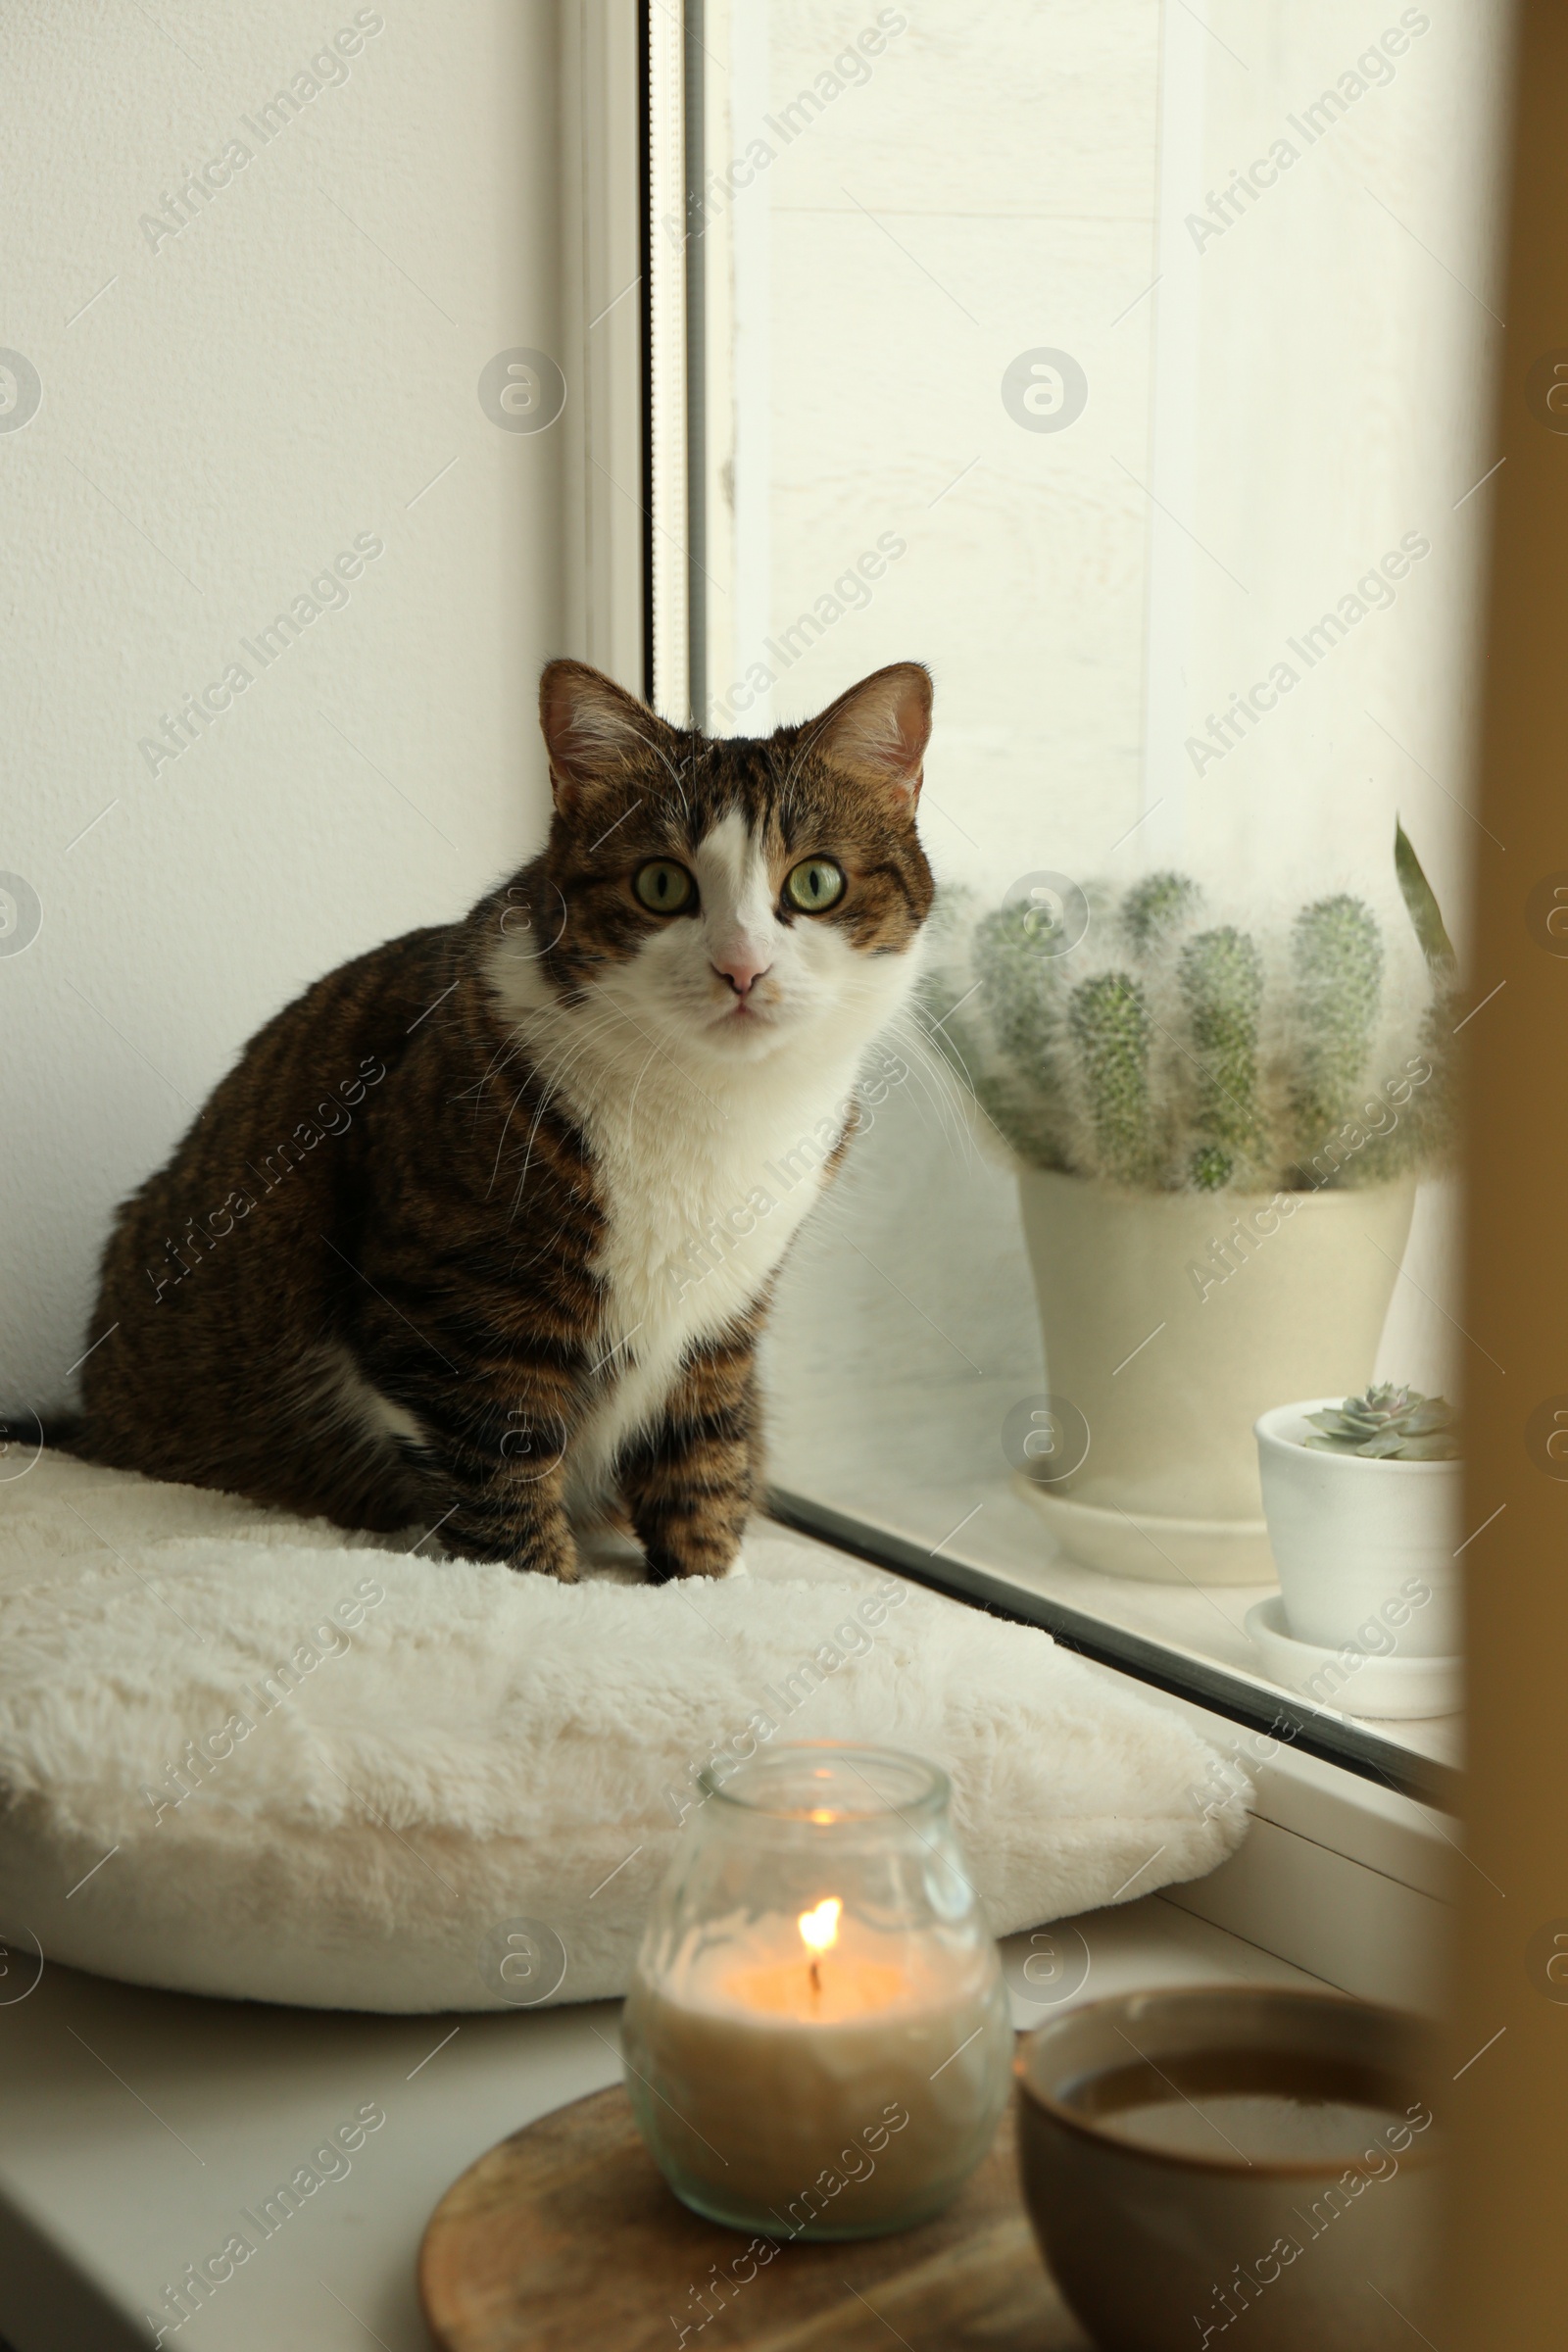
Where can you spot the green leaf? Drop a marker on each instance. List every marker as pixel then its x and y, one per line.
pixel 1431 1413
pixel 1424 913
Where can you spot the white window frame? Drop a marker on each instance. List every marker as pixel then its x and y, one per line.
pixel 603 296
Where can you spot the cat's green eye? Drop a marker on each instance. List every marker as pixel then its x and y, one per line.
pixel 664 886
pixel 815 885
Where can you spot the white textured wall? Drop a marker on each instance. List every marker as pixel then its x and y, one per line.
pixel 228 413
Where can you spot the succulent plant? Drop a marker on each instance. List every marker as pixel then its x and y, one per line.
pixel 1389 1425
pixel 1171 1049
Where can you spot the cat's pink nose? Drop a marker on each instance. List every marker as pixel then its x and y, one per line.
pixel 740 967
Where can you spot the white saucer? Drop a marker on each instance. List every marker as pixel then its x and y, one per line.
pixel 1156 1551
pixel 1350 1681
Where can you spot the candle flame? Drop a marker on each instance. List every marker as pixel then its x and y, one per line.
pixel 820 1928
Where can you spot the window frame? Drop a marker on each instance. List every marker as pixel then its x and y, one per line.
pixel 684 369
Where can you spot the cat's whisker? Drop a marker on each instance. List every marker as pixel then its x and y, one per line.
pixel 505 1128
pixel 641 1075
pixel 937 1082
pixel 946 1056
pixel 920 1069
pixel 512 1044
pixel 659 753
pixel 571 1052
pixel 810 736
pixel 967 1092
pixel 550 1074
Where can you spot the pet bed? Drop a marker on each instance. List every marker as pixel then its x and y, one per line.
pixel 248 1756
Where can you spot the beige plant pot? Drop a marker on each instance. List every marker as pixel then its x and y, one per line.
pixel 1169 1357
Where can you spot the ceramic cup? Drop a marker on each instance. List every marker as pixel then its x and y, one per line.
pixel 1194 2158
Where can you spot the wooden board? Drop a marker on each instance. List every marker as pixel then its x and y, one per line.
pixel 564 2236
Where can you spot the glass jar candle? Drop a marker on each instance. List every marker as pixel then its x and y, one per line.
pixel 817 2040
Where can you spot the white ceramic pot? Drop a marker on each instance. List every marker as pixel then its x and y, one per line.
pixel 1170 1358
pixel 1365 1549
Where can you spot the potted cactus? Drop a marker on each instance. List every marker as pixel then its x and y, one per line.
pixel 1217 1127
pixel 1362 1500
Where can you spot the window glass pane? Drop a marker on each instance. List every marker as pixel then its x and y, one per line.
pixel 1131 367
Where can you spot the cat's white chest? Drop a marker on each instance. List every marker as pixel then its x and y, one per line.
pixel 702 1193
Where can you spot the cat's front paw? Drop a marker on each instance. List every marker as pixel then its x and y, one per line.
pixel 557 1559
pixel 693 1560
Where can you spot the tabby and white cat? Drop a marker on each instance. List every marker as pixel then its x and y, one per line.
pixel 425 1257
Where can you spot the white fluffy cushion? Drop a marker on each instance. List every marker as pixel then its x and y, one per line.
pixel 454 1751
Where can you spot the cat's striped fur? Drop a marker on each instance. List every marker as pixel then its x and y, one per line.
pixel 425 1258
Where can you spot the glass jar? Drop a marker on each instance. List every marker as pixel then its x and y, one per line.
pixel 817 2040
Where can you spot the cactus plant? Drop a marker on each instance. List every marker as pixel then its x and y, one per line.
pixel 1158 905
pixel 1221 978
pixel 1107 1020
pixel 1389 1425
pixel 1337 961
pixel 1173 1049
pixel 1022 980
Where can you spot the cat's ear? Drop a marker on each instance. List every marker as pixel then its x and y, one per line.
pixel 592 728
pixel 878 731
